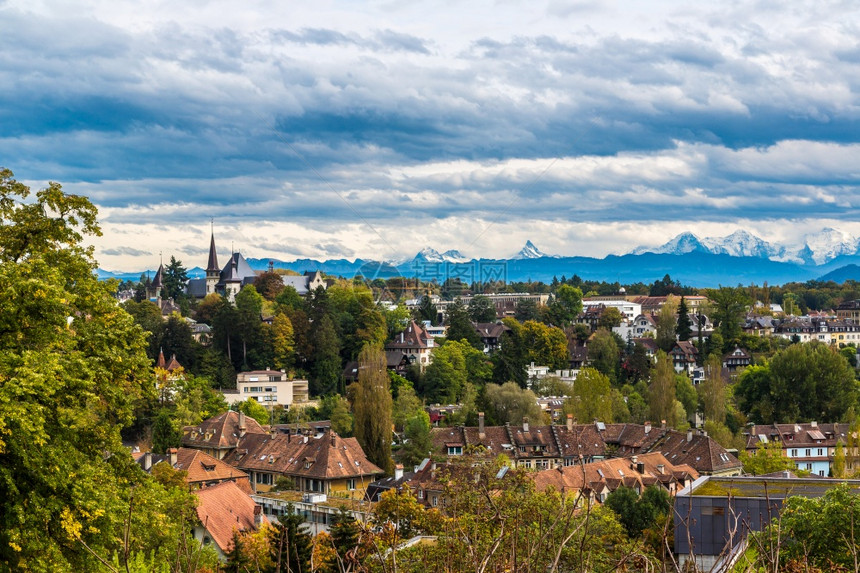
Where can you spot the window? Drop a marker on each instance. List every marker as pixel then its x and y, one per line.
pixel 809 467
pixel 821 473
pixel 435 501
pixel 455 450
pixel 808 452
pixel 264 479
pixel 420 494
pixel 350 484
pixel 794 453
pixel 820 452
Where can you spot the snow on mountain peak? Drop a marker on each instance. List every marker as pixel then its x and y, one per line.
pixel 684 243
pixel 431 255
pixel 530 251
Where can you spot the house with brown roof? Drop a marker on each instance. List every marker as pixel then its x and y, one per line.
pixel 683 356
pixel 546 447
pixel 414 343
pixel 811 446
pixel 491 334
pixel 221 510
pixel 202 470
pixel 596 480
pixel 218 436
pixel 325 463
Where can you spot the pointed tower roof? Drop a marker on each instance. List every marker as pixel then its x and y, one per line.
pixel 212 266
pixel 160 363
pixel 157 282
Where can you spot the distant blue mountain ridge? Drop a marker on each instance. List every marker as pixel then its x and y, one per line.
pixel 694 264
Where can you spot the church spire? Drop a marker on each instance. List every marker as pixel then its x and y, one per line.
pixel 212 266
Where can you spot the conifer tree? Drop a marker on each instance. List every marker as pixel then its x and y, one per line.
pixel 684 327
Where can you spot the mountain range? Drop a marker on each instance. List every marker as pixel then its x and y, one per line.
pixel 816 249
pixel 701 262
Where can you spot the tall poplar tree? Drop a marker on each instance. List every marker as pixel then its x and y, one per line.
pixel 661 395
pixel 372 407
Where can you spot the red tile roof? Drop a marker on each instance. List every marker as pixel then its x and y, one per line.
pixel 225 508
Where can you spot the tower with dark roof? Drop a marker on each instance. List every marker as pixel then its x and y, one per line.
pixel 153 292
pixel 213 272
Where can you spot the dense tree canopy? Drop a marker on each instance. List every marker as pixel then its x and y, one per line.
pixel 72 370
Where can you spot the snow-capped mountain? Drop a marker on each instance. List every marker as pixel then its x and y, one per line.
pixel 679 245
pixel 815 249
pixel 530 251
pixel 743 244
pixel 826 245
pixel 431 255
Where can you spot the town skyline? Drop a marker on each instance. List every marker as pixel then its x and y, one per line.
pixel 588 128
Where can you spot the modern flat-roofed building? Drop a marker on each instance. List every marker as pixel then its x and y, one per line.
pixel 270 388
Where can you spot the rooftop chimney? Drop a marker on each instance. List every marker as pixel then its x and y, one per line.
pixel 690 435
pixel 243 427
pixel 258 515
pixel 647 427
pixel 398 471
pixel 633 459
pixel 333 439
pixel 525 424
pixel 663 425
pixel 172 454
pixel 814 424
pixel 481 434
pixel 660 468
pixel 570 422
pixel 147 461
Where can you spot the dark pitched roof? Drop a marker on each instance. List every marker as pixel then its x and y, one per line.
pixel 700 452
pixel 327 456
pixel 220 432
pixel 202 467
pixel 158 281
pixel 212 265
pixel 414 336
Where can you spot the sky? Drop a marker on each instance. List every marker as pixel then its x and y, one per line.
pixel 337 129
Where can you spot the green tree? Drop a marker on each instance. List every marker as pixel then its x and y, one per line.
pixel 713 391
pixel 427 310
pixel 372 408
pixel 637 513
pixel 684 328
pixel 728 307
pixel 269 284
pixel 510 403
pixel 283 341
pixel 235 560
pixel 610 318
pixel 418 443
pixel 249 306
pixel 566 306
pixel 686 394
pixel 254 409
pixel 527 310
pixel 592 398
pixel 460 326
pixel 544 345
pixel 604 354
pixel 407 405
pixel 666 323
pixel 73 370
pixel 509 362
pixel 482 309
pixel 803 382
pixel 326 371
pixel 661 393
pixel 289 299
pixel 344 531
pixel 291 547
pixel 175 280
pixel 838 469
pixel 164 433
